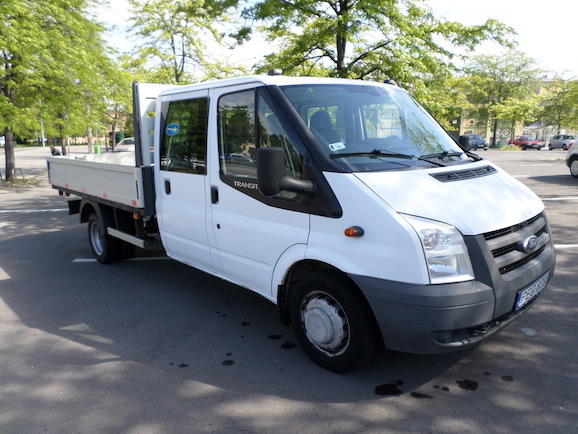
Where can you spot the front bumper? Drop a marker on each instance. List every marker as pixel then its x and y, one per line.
pixel 434 319
pixel 429 319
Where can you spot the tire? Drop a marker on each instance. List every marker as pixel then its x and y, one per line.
pixel 574 168
pixel 550 146
pixel 333 322
pixel 106 249
pixel 565 147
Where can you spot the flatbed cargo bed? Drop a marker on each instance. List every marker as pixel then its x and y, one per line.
pixel 107 178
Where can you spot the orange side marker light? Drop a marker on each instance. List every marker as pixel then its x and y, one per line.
pixel 354 231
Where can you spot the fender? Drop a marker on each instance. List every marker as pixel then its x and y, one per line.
pixel 87 206
pixel 290 257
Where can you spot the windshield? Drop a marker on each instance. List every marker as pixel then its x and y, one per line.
pixel 372 127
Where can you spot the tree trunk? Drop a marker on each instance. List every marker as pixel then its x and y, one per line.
pixel 89 137
pixel 113 135
pixel 9 152
pixel 341 44
pixel 495 132
pixel 341 41
pixel 10 93
pixel 61 140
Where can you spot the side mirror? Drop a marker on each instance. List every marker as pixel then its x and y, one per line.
pixel 272 175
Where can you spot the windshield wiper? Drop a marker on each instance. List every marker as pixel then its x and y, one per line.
pixel 442 154
pixel 472 155
pixel 375 152
pixel 386 153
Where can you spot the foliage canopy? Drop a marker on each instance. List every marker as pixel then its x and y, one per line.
pixel 53 64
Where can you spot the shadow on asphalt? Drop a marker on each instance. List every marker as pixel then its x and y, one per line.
pixel 177 335
pixel 160 313
pixel 557 180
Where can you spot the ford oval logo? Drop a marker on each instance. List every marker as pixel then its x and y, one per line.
pixel 530 243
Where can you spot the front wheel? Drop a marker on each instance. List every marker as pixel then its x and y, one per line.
pixel 333 322
pixel 574 168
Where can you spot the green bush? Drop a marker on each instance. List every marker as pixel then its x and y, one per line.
pixel 509 148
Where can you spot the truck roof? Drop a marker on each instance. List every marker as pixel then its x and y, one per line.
pixel 271 80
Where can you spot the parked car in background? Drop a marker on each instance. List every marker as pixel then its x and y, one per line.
pixel 527 142
pixel 473 141
pixel 564 141
pixel 125 145
pixel 572 160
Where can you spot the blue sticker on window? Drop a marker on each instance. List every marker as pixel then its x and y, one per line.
pixel 172 129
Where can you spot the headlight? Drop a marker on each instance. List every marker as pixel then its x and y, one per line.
pixel 445 252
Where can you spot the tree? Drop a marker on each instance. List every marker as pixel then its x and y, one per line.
pixel 395 39
pixel 118 100
pixel 17 48
pixel 559 105
pixel 517 110
pixel 175 35
pixel 494 81
pixel 51 55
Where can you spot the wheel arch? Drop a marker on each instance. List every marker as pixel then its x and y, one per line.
pixel 118 219
pixel 304 268
pixel 88 207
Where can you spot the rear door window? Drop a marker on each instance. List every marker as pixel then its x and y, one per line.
pixel 184 145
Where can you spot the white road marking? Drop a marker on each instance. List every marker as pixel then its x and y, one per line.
pixel 565 246
pixel 139 259
pixel 560 198
pixel 29 211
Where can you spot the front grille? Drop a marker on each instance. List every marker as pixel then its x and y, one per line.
pixel 507 268
pixel 511 229
pixel 506 244
pixel 461 175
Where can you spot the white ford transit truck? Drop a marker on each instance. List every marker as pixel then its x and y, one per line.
pixel 343 202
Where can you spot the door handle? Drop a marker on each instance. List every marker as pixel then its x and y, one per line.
pixel 214 194
pixel 167 186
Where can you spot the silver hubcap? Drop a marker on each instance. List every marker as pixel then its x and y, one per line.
pixel 325 323
pixel 96 239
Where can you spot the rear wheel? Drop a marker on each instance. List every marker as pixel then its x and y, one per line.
pixel 574 168
pixel 104 247
pixel 332 322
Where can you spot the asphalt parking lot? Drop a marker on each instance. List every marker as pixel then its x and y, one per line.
pixel 152 346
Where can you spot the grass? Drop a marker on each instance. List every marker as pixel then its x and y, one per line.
pixel 18 182
pixel 510 148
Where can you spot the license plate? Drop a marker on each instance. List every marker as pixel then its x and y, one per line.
pixel 528 294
